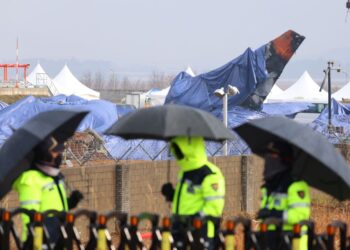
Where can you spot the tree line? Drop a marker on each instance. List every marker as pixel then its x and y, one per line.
pixel 99 81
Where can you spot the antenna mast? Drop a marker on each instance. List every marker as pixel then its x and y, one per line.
pixel 17 63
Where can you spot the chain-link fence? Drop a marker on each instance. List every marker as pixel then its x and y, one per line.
pixel 90 146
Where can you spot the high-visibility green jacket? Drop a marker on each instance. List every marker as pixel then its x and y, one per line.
pixel 201 186
pixel 295 205
pixel 39 192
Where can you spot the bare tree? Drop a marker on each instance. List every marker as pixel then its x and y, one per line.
pixel 99 82
pixel 112 81
pixel 125 84
pixel 156 79
pixel 159 80
pixel 87 79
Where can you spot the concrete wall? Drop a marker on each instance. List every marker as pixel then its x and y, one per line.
pixel 134 187
pixel 141 184
pixel 25 91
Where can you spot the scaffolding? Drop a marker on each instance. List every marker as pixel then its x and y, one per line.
pixel 7 66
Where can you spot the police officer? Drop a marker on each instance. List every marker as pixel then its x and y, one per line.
pixel 200 190
pixel 283 196
pixel 42 188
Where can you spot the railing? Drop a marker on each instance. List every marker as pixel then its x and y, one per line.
pixel 52 88
pixel 135 235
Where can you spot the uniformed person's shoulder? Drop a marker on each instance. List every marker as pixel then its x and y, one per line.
pixel 216 177
pixel 299 190
pixel 31 177
pixel 299 184
pixel 197 175
pixel 213 168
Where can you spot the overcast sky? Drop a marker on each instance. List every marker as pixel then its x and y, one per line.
pixel 169 35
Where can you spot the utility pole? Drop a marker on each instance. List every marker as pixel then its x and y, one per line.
pixel 327 71
pixel 330 65
pixel 223 94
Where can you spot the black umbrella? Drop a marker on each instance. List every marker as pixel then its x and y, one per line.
pixel 15 154
pixel 168 121
pixel 317 161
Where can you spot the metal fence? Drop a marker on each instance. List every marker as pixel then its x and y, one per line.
pixel 145 231
pixel 88 146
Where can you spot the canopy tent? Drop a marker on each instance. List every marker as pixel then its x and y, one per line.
pixel 66 83
pixel 275 92
pixel 145 100
pixel 343 93
pixel 158 97
pixel 190 71
pixel 305 89
pixel 38 76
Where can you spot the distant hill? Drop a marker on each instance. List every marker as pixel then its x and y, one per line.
pixel 291 73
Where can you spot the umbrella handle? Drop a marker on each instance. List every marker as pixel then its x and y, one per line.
pixel 168 166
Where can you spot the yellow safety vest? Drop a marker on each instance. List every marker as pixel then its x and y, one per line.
pixel 201 185
pixel 39 192
pixel 295 204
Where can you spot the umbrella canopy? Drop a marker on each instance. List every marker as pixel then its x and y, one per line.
pixel 168 121
pixel 316 160
pixel 15 154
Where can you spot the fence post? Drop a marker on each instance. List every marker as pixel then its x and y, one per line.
pixel 122 188
pixel 6 224
pixel 296 237
pixel 230 241
pixel 244 182
pixel 330 237
pixel 101 233
pixel 38 231
pixel 167 239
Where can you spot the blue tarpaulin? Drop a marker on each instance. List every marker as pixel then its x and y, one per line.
pixel 340 114
pixel 289 109
pixel 102 113
pixel 3 105
pixel 244 72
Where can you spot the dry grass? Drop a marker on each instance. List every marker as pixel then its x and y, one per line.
pixel 323 214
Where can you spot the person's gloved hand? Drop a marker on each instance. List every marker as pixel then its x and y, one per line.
pixel 263 213
pixel 266 213
pixel 276 213
pixel 75 197
pixel 168 191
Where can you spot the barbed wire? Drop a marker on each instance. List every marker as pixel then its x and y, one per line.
pixel 88 146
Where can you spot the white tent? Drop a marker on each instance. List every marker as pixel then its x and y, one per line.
pixel 38 76
pixel 343 93
pixel 190 71
pixel 66 83
pixel 158 97
pixel 275 92
pixel 305 89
